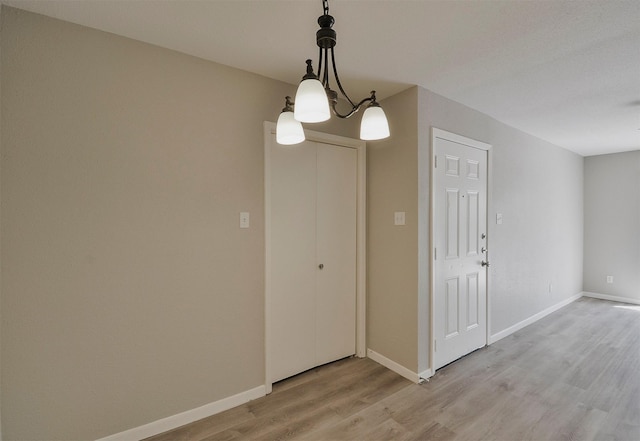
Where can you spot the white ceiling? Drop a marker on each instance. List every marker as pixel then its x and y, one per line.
pixel 565 71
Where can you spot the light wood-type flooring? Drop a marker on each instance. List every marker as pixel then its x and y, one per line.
pixel 574 375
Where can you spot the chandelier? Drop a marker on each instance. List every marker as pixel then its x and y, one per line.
pixel 315 100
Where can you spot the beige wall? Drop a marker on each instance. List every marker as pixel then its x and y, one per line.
pixel 538 187
pixel 392 251
pixel 612 225
pixel 129 293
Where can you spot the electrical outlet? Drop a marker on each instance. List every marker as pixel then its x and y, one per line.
pixel 609 279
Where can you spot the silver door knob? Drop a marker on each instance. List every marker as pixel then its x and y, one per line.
pixel 321 266
pixel 483 263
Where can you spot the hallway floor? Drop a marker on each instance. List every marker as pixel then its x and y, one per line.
pixel 574 375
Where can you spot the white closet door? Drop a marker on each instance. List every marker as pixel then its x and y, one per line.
pixel 313 256
pixel 293 259
pixel 336 251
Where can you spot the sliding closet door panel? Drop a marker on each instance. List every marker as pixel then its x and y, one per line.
pixel 336 252
pixel 293 258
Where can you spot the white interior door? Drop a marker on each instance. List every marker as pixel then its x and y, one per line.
pixel 312 256
pixel 336 252
pixel 292 259
pixel 460 213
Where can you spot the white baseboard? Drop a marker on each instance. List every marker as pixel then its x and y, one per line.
pixel 175 421
pixel 534 318
pixel 424 375
pixel 612 298
pixel 395 367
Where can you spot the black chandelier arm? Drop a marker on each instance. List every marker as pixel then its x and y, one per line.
pixel 335 74
pixel 320 75
pixel 354 109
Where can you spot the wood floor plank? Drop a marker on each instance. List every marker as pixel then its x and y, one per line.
pixel 351 427
pixel 574 376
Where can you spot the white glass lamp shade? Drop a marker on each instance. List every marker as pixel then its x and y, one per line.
pixel 288 130
pixel 312 104
pixel 374 124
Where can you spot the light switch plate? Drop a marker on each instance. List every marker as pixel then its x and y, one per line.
pixel 499 218
pixel 244 219
pixel 399 218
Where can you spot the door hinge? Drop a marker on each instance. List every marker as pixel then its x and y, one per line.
pixel 435 346
pixel 435 254
pixel 435 163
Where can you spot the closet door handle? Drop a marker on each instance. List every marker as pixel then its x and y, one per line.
pixel 321 266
